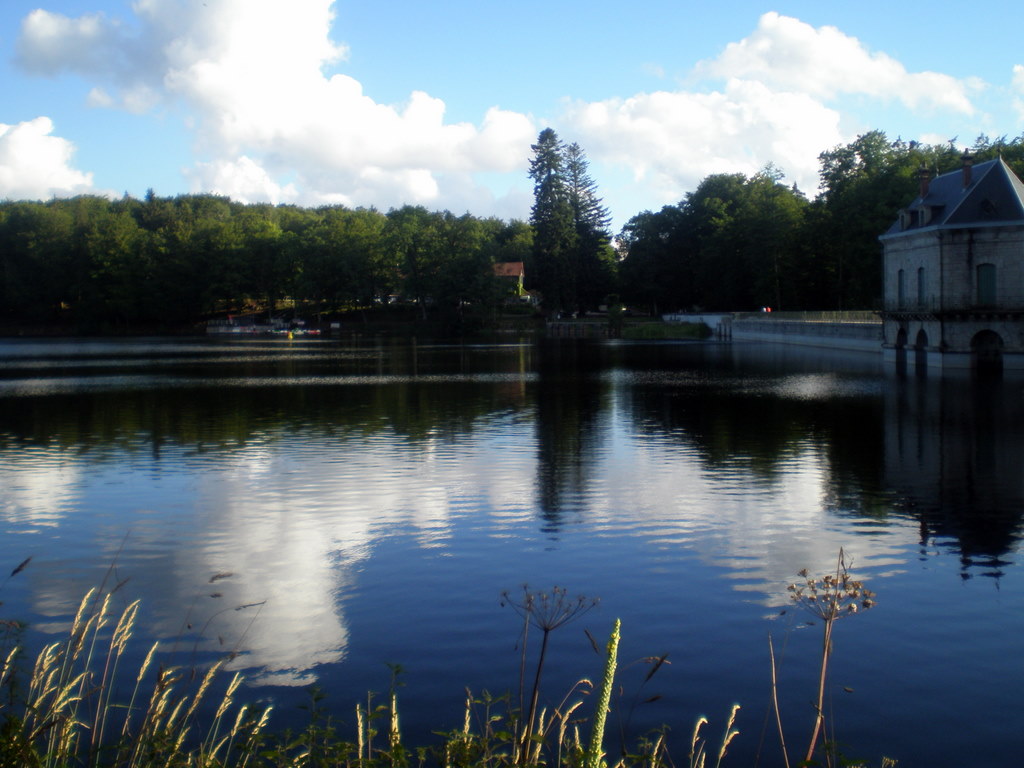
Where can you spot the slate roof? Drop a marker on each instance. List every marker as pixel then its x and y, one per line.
pixel 994 197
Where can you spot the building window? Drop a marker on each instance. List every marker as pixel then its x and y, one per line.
pixel 986 285
pixel 901 289
pixel 920 287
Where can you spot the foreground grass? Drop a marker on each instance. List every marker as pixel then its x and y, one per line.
pixel 77 706
pixel 63 711
pixel 67 716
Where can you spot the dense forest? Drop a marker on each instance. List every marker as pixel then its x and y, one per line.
pixel 738 243
pixel 734 243
pixel 98 264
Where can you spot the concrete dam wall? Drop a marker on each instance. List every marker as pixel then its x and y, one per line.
pixel 864 336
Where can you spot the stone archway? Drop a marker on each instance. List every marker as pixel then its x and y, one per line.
pixel 920 350
pixel 900 348
pixel 987 351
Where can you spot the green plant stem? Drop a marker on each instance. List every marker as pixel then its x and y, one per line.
pixel 595 751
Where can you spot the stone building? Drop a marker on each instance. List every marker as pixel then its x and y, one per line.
pixel 954 272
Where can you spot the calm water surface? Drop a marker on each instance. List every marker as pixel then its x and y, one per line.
pixel 366 504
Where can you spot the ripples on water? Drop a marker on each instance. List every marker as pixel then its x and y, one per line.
pixel 371 502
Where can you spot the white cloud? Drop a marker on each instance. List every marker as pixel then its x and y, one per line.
pixel 52 42
pixel 776 98
pixel 272 122
pixel 35 165
pixel 242 180
pixel 99 98
pixel 788 54
pixel 252 75
pixel 1018 91
pixel 673 140
pixel 655 70
pixel 97 47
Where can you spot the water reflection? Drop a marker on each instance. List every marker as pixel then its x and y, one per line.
pixel 759 466
pixel 38 488
pixel 764 420
pixel 571 397
pixel 279 526
pixel 368 503
pixel 954 458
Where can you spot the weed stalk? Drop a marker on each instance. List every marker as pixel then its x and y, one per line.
pixel 830 598
pixel 595 753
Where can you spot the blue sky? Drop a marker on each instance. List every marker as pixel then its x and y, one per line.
pixel 315 102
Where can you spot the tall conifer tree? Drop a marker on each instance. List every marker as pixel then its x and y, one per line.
pixel 587 208
pixel 593 260
pixel 552 221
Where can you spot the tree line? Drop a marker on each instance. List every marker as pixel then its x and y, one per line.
pixel 742 243
pixel 91 262
pixel 734 243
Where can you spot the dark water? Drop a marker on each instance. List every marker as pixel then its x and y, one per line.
pixel 375 500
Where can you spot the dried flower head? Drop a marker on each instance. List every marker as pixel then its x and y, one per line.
pixel 549 610
pixel 833 595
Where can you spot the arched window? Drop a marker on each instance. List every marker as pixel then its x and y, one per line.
pixel 986 285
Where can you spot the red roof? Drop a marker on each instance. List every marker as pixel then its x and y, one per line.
pixel 509 269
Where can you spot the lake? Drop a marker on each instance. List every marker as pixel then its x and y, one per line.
pixel 326 509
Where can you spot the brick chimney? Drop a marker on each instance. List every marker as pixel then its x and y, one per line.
pixel 968 163
pixel 924 179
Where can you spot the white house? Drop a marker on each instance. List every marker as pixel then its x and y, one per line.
pixel 954 272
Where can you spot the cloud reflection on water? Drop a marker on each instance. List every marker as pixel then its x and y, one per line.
pixel 294 489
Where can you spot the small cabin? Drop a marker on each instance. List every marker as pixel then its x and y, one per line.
pixel 954 272
pixel 512 273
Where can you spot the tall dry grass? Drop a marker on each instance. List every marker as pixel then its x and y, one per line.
pixel 71 713
pixel 77 705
